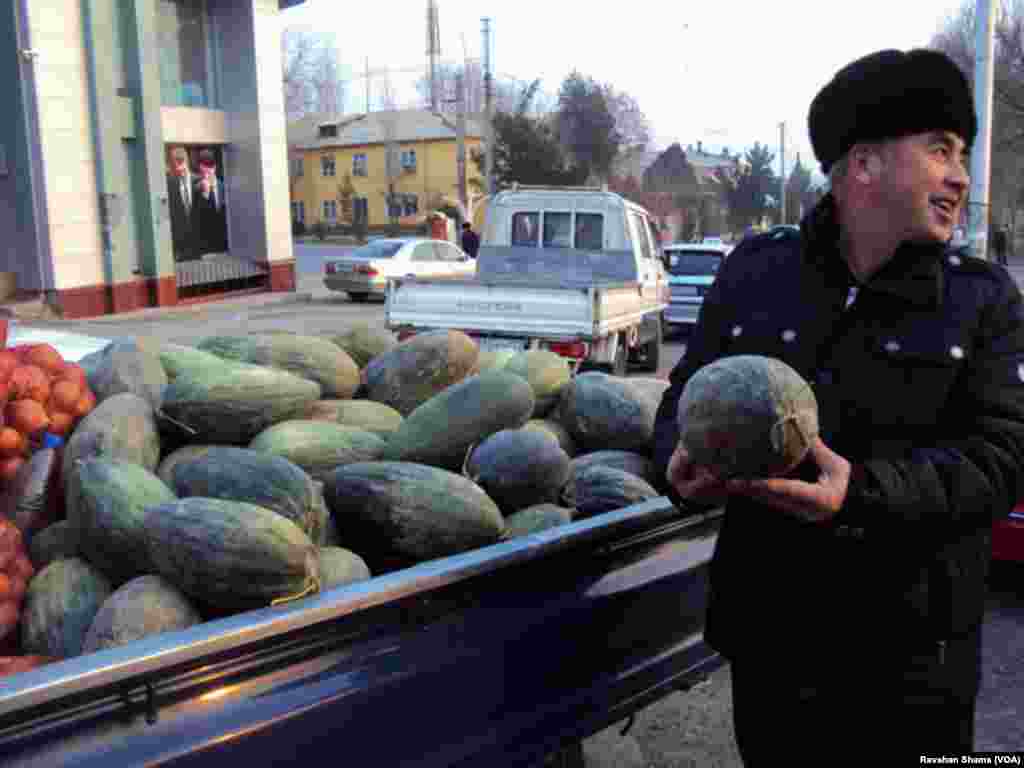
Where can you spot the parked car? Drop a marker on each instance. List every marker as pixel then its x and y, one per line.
pixel 366 270
pixel 692 269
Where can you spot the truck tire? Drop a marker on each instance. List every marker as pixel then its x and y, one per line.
pixel 651 351
pixel 358 297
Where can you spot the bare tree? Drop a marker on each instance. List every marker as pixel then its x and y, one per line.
pixel 630 122
pixel 388 117
pixel 311 73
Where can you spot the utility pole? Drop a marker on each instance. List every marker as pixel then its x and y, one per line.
pixel 978 202
pixel 488 110
pixel 433 51
pixel 460 137
pixel 367 85
pixel 782 172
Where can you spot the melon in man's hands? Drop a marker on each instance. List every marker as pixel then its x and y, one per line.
pixel 747 416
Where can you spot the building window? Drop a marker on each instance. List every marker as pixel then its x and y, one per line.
pixel 359 165
pixel 299 212
pixel 524 229
pixel 331 210
pixel 187 38
pixel 409 160
pixel 297 167
pixel 395 203
pixel 412 205
pixel 327 165
pixel 328 131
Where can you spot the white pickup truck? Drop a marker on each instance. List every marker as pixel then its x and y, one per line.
pixel 576 270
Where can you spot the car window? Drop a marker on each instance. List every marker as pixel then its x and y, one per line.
pixel 589 231
pixel 694 263
pixel 642 233
pixel 447 252
pixel 424 252
pixel 377 250
pixel 525 226
pixel 557 229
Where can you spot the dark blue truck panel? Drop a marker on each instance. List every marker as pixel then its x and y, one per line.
pixel 495 657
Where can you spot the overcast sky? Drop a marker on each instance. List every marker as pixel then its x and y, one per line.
pixel 726 72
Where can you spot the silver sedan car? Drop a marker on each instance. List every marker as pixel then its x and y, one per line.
pixel 365 271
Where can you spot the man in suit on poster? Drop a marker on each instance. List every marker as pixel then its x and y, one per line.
pixel 180 200
pixel 211 218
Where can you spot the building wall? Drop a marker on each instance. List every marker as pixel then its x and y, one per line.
pixel 436 173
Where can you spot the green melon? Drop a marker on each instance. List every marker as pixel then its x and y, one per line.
pixel 233 404
pixel 106 502
pixel 519 468
pixel 747 416
pixel 547 374
pixel 598 489
pixel 230 554
pixel 146 606
pixel 378 418
pixel 419 511
pixel 363 342
pixel 652 389
pixel 419 368
pixel 628 461
pixel 319 446
pixel 310 357
pixel 539 517
pixel 242 474
pixel 557 431
pixel 604 412
pixel 325 524
pixel 61 602
pixel 441 430
pixel 165 470
pixel 496 358
pixel 178 360
pixel 339 566
pixel 128 365
pixel 121 428
pixel 54 542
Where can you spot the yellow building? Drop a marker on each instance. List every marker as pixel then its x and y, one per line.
pixel 339 166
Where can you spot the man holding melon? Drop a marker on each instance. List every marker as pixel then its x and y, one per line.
pixel 861 467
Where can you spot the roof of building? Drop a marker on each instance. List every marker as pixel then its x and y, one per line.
pixel 403 125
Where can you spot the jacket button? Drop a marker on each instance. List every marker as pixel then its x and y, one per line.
pixel 892 346
pixel 956 352
pixel 737 330
pixel 954 260
pixel 788 335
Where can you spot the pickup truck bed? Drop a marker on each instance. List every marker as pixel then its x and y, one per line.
pixel 493 657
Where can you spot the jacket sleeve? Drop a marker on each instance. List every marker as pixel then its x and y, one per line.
pixel 974 477
pixel 703 347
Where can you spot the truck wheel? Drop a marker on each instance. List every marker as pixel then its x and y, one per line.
pixel 619 367
pixel 652 350
pixel 359 297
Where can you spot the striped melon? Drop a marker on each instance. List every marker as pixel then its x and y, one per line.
pixel 363 342
pixel 547 374
pixel 363 414
pixel 604 412
pixel 319 446
pixel 146 606
pixel 121 428
pixel 60 605
pixel 536 518
pixel 339 566
pixel 519 468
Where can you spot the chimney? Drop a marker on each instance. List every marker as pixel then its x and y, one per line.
pixel 699 147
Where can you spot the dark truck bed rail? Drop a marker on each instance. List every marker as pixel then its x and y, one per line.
pixel 493 657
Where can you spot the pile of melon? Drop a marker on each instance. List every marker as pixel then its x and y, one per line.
pixel 254 471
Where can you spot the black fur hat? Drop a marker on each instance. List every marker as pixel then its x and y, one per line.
pixel 887 95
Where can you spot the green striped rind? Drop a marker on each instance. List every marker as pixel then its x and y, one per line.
pixel 60 604
pixel 419 368
pixel 106 502
pixel 599 489
pixel 319 446
pixel 234 404
pixel 420 511
pixel 497 358
pixel 546 372
pixel 178 359
pixel 146 606
pixel 129 366
pixel 310 357
pixel 230 554
pixel 519 468
pixel 557 431
pixel 604 412
pixel 121 428
pixel 539 517
pixel 241 474
pixel 627 461
pixel 441 430
pixel 165 470
pixel 339 566
pixel 378 418
pixel 363 342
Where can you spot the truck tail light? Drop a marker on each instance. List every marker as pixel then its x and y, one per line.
pixel 364 269
pixel 406 334
pixel 574 349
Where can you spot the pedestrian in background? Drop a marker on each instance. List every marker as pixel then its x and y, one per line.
pixel 849 595
pixel 470 240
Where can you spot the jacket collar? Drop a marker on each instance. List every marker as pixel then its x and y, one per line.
pixel 914 273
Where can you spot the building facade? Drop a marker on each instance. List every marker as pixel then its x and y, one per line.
pixel 340 169
pixel 104 96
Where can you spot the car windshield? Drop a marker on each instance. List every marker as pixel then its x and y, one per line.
pixel 693 262
pixel 376 250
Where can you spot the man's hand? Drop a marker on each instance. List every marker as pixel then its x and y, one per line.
pixel 694 482
pixel 204 186
pixel 814 502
